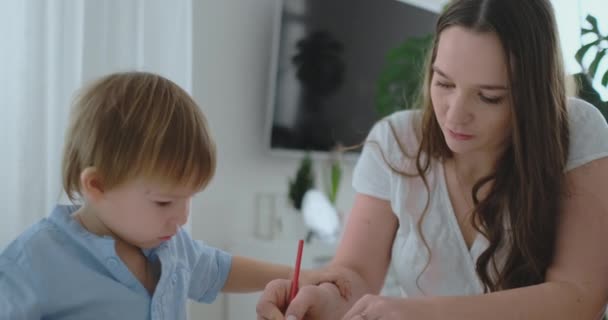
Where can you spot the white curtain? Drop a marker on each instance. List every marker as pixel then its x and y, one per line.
pixel 49 49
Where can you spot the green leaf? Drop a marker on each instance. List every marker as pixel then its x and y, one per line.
pixel 580 53
pixel 596 62
pixel 303 181
pixel 605 79
pixel 593 21
pixel 401 75
pixel 336 175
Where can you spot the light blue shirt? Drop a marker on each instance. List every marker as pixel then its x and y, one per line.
pixel 58 270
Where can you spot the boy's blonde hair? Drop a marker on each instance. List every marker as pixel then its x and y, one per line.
pixel 134 124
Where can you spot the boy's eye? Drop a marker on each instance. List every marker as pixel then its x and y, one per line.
pixel 162 203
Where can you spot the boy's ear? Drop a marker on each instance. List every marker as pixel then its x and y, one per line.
pixel 91 184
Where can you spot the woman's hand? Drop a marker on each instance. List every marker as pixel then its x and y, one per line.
pixel 318 276
pixel 311 303
pixel 373 307
pixel 274 300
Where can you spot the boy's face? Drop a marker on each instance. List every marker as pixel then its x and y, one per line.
pixel 145 213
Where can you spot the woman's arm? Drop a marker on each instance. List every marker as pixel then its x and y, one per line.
pixel 577 282
pixel 365 248
pixel 362 258
pixel 364 253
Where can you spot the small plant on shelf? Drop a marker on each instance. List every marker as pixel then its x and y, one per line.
pixel 332 185
pixel 303 181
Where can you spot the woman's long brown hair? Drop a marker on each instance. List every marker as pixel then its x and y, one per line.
pixel 523 204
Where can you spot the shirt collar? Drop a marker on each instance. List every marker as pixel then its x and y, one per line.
pixel 62 217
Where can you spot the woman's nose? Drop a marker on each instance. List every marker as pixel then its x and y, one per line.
pixel 459 110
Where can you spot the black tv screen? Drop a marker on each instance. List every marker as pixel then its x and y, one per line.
pixel 329 59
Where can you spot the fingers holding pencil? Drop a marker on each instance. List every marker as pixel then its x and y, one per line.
pixel 279 297
pixel 317 276
pixel 296 276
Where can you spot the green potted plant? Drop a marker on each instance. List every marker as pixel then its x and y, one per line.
pixel 291 222
pixel 599 42
pixel 401 76
pixel 324 202
pixel 303 181
pixel 332 184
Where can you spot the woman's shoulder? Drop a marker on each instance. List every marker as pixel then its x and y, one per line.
pixel 388 149
pixel 588 133
pixel 398 131
pixel 581 111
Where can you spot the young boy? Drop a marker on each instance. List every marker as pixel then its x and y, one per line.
pixel 137 150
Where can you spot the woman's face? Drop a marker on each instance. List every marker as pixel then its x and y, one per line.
pixel 470 91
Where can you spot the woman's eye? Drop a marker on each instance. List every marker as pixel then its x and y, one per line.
pixel 490 100
pixel 163 203
pixel 444 85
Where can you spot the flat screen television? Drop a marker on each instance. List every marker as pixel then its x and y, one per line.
pixel 327 59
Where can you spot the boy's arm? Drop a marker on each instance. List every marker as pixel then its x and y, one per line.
pixel 248 275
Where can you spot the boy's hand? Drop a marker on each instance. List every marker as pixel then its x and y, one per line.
pixel 327 274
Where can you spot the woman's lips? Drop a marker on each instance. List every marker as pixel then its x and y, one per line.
pixel 460 136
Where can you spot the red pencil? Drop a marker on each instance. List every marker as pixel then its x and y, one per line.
pixel 296 274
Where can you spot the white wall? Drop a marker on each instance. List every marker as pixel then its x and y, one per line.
pixel 230 70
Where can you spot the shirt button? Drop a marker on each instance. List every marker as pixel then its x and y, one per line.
pixel 112 262
pixel 174 278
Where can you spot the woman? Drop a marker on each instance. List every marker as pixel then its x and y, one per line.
pixel 488 201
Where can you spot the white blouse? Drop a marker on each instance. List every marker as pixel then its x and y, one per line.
pixel 451 269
